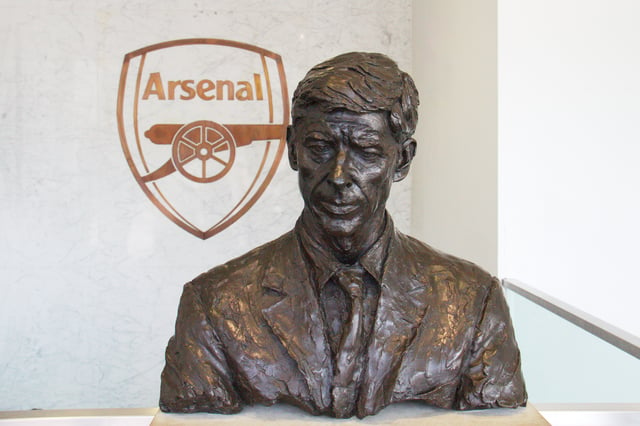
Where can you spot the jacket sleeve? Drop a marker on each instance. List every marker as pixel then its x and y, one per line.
pixel 493 377
pixel 196 376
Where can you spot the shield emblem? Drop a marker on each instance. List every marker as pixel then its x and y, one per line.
pixel 202 124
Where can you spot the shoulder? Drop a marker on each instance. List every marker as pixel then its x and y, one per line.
pixel 436 267
pixel 245 269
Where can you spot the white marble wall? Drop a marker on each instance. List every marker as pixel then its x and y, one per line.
pixel 91 271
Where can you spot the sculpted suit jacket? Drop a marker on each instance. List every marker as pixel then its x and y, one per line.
pixel 251 331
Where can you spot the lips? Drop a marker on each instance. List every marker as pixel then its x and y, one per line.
pixel 337 208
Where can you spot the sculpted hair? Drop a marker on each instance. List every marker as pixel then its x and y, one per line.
pixel 361 82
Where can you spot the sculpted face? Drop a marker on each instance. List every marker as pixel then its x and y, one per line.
pixel 346 162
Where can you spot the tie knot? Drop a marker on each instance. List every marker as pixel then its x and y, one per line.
pixel 351 279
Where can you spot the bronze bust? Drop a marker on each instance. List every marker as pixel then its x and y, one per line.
pixel 344 315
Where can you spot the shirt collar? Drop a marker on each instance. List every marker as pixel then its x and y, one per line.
pixel 324 265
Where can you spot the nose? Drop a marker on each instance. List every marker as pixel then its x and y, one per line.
pixel 339 175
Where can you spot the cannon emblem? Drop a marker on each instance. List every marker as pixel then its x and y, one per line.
pixel 204 151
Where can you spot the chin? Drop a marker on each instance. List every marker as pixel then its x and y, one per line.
pixel 341 227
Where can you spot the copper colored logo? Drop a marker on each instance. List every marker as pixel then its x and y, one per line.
pixel 202 123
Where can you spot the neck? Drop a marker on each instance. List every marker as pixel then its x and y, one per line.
pixel 347 248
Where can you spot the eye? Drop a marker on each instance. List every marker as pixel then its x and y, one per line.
pixel 370 154
pixel 319 148
pixel 367 145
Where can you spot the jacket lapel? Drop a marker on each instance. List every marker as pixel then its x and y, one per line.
pixel 290 307
pixel 401 307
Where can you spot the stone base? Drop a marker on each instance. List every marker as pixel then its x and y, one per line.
pixel 405 414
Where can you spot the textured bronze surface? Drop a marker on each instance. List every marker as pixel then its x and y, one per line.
pixel 274 325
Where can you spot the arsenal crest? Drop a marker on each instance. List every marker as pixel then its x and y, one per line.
pixel 202 123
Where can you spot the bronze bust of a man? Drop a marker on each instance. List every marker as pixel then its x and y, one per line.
pixel 345 315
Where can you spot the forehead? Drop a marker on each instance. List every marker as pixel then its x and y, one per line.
pixel 314 118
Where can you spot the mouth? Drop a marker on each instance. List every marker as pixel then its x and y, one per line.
pixel 337 208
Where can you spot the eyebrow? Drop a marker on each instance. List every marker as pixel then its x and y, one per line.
pixel 365 136
pixel 360 133
pixel 318 134
pixel 366 132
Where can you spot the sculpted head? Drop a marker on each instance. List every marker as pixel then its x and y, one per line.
pixel 353 118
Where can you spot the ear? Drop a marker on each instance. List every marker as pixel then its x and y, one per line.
pixel 291 148
pixel 407 152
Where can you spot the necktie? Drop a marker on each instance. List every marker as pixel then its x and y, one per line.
pixel 348 364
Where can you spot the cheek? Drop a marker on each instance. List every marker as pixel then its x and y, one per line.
pixel 307 180
pixel 376 183
pixel 307 175
pixel 374 174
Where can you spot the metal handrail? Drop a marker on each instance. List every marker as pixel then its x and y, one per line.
pixel 609 333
